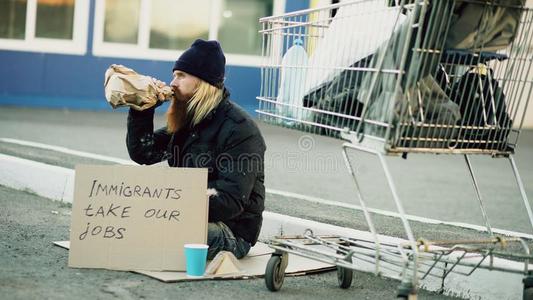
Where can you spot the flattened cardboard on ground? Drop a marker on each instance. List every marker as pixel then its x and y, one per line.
pixel 253 265
pixel 136 217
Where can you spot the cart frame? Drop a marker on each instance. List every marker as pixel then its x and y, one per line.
pixel 401 129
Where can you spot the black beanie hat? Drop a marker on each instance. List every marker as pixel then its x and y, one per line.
pixel 205 60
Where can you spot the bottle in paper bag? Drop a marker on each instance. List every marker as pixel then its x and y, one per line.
pixel 125 87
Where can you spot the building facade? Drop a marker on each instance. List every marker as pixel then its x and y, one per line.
pixel 54 53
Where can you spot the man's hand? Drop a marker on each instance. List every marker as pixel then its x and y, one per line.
pixel 160 84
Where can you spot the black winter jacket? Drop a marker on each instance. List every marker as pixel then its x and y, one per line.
pixel 229 144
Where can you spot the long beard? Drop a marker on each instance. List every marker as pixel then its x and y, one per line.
pixel 176 115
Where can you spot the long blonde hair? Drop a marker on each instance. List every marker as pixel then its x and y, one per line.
pixel 205 98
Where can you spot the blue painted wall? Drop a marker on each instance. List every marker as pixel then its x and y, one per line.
pixel 76 82
pixel 53 80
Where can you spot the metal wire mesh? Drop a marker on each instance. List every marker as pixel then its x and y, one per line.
pixel 402 76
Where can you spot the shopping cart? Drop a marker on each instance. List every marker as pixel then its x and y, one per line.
pixel 399 77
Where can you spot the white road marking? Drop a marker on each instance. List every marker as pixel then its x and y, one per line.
pixel 281 193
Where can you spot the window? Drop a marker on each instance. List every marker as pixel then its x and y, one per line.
pixel 12 19
pixel 239 25
pixel 161 29
pixel 174 25
pixel 58 26
pixel 122 21
pixel 54 19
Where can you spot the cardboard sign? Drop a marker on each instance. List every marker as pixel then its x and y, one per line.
pixel 137 217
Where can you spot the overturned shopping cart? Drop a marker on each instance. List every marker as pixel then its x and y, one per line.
pixel 398 77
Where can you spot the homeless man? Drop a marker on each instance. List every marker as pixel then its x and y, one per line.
pixel 207 130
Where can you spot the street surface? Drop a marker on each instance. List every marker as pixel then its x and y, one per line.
pixel 33 268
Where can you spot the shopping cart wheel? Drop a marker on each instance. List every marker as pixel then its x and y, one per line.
pixel 528 288
pixel 407 291
pixel 275 271
pixel 345 275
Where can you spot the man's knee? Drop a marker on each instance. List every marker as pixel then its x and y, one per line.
pixel 215 236
pixel 215 240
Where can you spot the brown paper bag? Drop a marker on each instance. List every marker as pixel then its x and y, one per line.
pixel 125 87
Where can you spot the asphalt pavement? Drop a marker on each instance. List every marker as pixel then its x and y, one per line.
pixel 33 268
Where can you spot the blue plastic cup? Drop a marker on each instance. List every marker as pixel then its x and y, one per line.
pixel 195 259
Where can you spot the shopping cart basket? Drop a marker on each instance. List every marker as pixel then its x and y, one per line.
pixel 398 77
